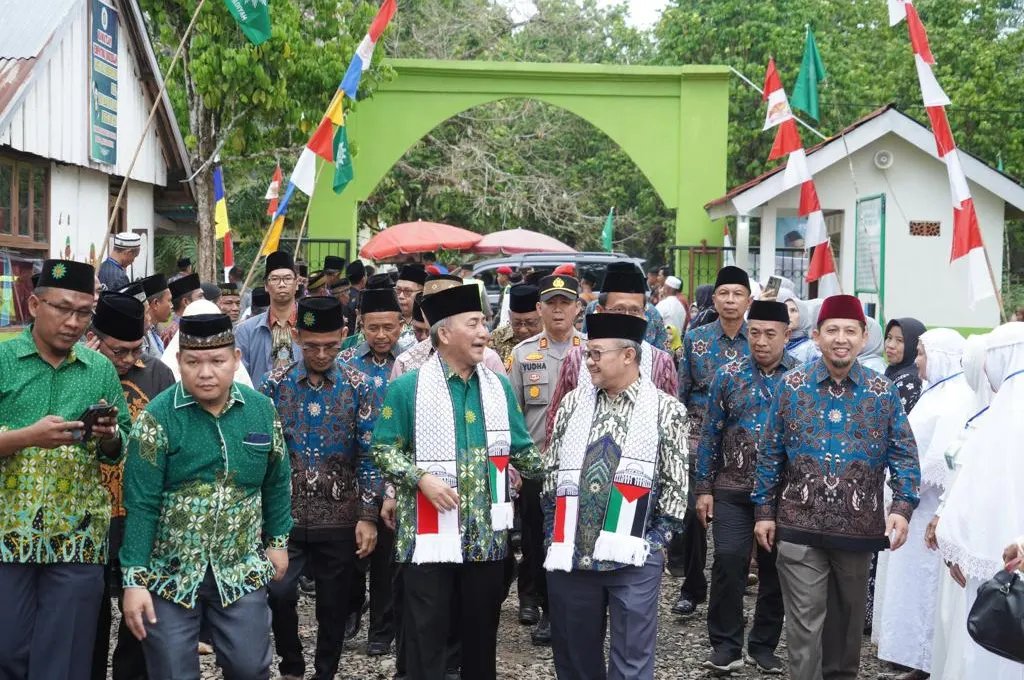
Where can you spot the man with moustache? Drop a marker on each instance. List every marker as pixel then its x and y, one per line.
pixel 184 291
pixel 705 350
pixel 54 510
pixel 524 321
pixel 327 412
pixel 533 370
pixel 230 301
pixel 834 429
pixel 734 428
pixel 267 340
pixel 206 481
pixel 410 283
pixel 118 330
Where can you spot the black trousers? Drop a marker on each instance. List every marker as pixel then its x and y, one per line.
pixel 689 548
pixel 454 653
pixel 381 566
pixel 333 562
pixel 128 662
pixel 533 585
pixel 734 537
pixel 428 593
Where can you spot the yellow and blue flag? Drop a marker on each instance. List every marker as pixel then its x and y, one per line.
pixel 220 204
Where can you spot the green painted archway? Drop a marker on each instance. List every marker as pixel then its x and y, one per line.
pixel 671 121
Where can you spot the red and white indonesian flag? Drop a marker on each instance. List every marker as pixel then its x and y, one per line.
pixel 778 104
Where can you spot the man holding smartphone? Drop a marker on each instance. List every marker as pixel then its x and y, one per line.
pixel 54 510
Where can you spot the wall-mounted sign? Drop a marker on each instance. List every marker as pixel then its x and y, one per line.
pixel 103 83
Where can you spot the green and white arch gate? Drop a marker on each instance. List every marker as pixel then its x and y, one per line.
pixel 671 121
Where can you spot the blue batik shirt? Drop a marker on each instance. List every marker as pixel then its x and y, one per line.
pixel 829 445
pixel 328 429
pixel 735 426
pixel 657 334
pixel 705 350
pixel 362 358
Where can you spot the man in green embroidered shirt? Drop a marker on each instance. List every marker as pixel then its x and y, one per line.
pixel 54 510
pixel 206 475
pixel 445 437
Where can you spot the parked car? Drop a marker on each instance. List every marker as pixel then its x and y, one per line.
pixel 486 270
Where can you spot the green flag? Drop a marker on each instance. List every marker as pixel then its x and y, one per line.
pixel 999 165
pixel 608 231
pixel 343 170
pixel 812 72
pixel 253 17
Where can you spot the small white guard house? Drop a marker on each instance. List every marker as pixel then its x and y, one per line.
pixel 77 81
pixel 890 220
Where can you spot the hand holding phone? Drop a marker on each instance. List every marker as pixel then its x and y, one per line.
pixel 97 420
pixel 771 290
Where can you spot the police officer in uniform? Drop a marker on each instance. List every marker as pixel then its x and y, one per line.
pixel 533 370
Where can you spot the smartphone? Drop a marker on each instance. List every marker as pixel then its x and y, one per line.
pixel 771 290
pixel 90 415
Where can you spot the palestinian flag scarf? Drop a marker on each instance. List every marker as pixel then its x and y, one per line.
pixel 629 503
pixel 439 534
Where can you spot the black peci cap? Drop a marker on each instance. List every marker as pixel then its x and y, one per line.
pixel 69 275
pixel 120 316
pixel 523 298
pixel 205 331
pixel 320 315
pixel 618 326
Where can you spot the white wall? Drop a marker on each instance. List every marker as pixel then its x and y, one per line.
pixel 919 280
pixel 78 209
pixel 139 219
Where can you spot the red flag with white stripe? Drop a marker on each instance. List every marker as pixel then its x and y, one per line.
pixel 274 191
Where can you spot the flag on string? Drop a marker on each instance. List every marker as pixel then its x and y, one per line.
pixel 609 230
pixel 812 72
pixel 220 204
pixel 253 17
pixel 364 53
pixel 277 224
pixel 967 241
pixel 778 105
pixel 343 170
pixel 274 191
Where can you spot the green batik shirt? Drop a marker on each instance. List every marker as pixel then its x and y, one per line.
pixel 201 491
pixel 393 451
pixel 53 506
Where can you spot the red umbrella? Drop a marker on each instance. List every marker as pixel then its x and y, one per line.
pixel 417 237
pixel 514 241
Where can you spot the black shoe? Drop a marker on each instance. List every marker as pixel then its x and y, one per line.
pixel 307 586
pixel 529 614
pixel 723 662
pixel 541 636
pixel 352 624
pixel 378 649
pixel 684 606
pixel 767 662
pixel 452 674
pixel 675 569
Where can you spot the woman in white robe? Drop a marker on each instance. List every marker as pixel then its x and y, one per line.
pixel 170 355
pixel 906 596
pixel 986 503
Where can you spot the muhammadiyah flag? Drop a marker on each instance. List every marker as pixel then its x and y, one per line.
pixel 220 204
pixel 253 17
pixel 343 170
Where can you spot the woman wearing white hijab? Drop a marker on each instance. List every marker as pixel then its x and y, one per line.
pixel 170 355
pixel 801 346
pixel 951 637
pixel 986 504
pixel 907 594
pixel 871 355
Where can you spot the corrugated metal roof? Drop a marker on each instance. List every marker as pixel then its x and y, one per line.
pixel 26 26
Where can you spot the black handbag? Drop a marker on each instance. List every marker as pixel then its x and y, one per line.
pixel 996 621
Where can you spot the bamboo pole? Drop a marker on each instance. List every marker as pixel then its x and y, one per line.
pixel 995 287
pixel 145 129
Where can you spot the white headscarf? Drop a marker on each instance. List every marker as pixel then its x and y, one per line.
pixel 973 363
pixel 871 355
pixel 986 504
pixel 170 355
pixel 944 406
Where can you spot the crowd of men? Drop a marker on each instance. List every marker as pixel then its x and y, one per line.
pixel 203 455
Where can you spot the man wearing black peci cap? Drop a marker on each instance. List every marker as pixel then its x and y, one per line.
pixel 334 267
pixel 184 269
pixel 705 350
pixel 614 492
pixel 523 322
pixel 184 291
pixel 56 512
pixel 533 369
pixel 119 329
pixel 327 412
pixel 206 485
pixel 735 425
pixel 618 272
pixel 230 301
pixel 268 340
pixel 158 310
pixel 410 283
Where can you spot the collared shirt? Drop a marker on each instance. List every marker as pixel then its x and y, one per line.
pixel 363 359
pixel 533 370
pixel 282 339
pixel 254 338
pixel 735 427
pixel 657 334
pixel 112 275
pixel 200 491
pixel 328 429
pixel 394 446
pixel 828 447
pixel 152 345
pixel 146 379
pixel 412 359
pixel 604 449
pixel 663 375
pixel 53 506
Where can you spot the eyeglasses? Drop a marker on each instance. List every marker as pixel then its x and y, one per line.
pixel 531 323
pixel 66 312
pixel 325 350
pixel 281 280
pixel 124 352
pixel 402 291
pixel 631 311
pixel 596 354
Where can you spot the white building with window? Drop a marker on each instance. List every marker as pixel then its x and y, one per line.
pixel 77 81
pixel 886 198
